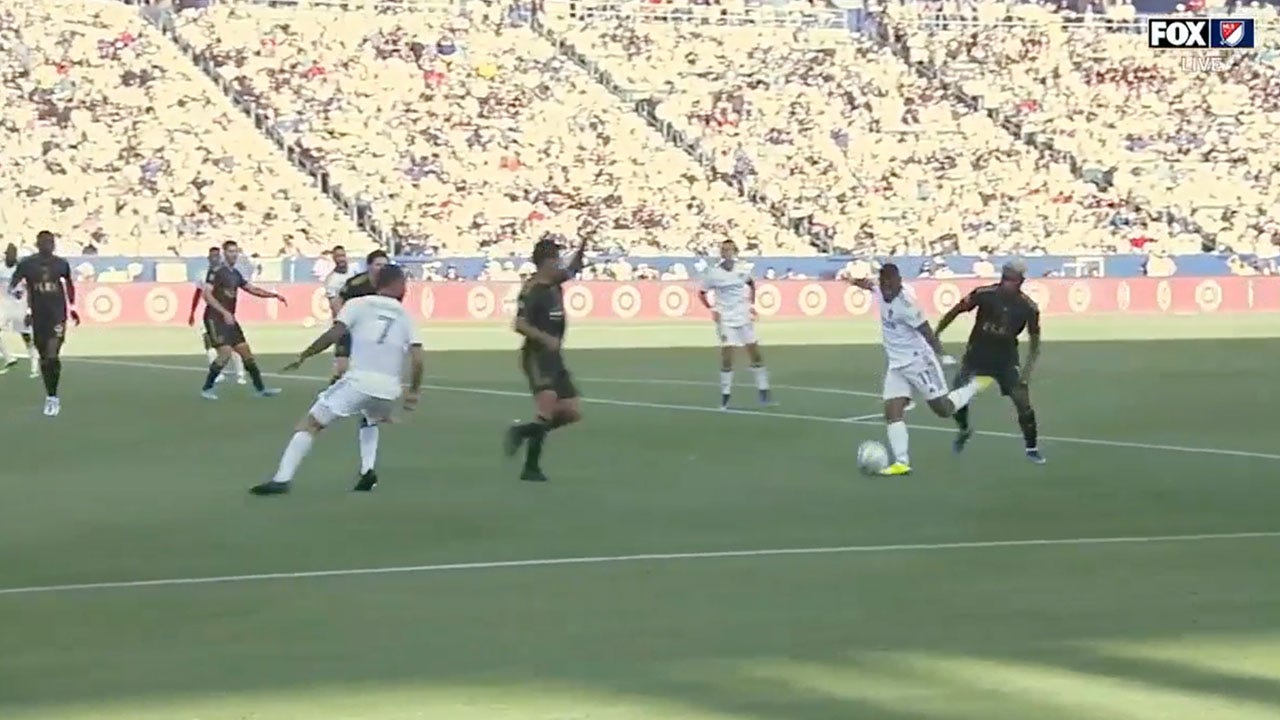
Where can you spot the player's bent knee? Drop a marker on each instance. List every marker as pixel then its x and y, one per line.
pixel 895 409
pixel 942 407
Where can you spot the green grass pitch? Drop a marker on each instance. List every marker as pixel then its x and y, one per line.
pixel 973 590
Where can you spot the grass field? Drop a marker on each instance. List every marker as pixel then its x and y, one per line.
pixel 1133 577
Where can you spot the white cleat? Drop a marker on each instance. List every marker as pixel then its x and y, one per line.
pixel 242 380
pixel 52 406
pixel 35 373
pixel 222 377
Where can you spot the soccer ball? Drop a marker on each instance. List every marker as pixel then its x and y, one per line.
pixel 872 457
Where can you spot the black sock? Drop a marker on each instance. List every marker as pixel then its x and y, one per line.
pixel 215 369
pixel 50 376
pixel 251 367
pixel 962 417
pixel 1030 435
pixel 56 367
pixel 535 433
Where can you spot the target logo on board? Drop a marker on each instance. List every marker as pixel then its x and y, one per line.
pixel 857 301
pixel 625 301
pixel 1164 295
pixel 768 299
pixel 427 302
pixel 480 302
pixel 320 304
pixel 945 295
pixel 160 304
pixel 673 301
pixel 1209 295
pixel 1079 297
pixel 103 305
pixel 813 299
pixel 1124 296
pixel 1039 294
pixel 578 301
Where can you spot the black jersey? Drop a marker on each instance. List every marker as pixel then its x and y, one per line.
pixel 226 282
pixel 1002 316
pixel 541 305
pixel 46 293
pixel 358 285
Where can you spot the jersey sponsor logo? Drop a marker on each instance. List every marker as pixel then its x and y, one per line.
pixel 103 305
pixel 1164 295
pixel 1200 33
pixel 480 302
pixel 1209 295
pixel 1124 296
pixel 813 299
pixel 579 301
pixel 768 299
pixel 673 301
pixel 857 301
pixel 1079 297
pixel 160 304
pixel 427 302
pixel 625 301
pixel 1039 294
pixel 945 295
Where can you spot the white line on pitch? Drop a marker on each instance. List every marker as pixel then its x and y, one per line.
pixel 648 557
pixel 797 388
pixel 755 413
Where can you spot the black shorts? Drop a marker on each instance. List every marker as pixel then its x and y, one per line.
pixel 546 371
pixel 342 348
pixel 46 329
pixel 1004 371
pixel 221 333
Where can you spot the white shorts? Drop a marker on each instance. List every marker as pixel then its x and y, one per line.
pixel 736 336
pixel 344 399
pixel 924 376
pixel 14 319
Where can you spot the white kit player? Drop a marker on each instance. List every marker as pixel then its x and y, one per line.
pixel 15 316
pixel 734 314
pixel 383 342
pixel 915 359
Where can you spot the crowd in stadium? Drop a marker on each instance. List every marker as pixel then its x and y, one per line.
pixel 656 128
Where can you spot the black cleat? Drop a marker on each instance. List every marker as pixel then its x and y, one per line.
pixel 512 440
pixel 962 439
pixel 368 481
pixel 270 488
pixel 533 475
pixel 724 402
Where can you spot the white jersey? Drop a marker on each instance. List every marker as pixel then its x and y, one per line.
pixel 733 293
pixel 899 320
pixel 381 334
pixel 11 304
pixel 334 281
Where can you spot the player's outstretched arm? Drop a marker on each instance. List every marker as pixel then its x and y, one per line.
pixel 575 263
pixel 322 343
pixel 256 291
pixel 965 305
pixel 932 338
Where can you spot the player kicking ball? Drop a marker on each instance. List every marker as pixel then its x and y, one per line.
pixel 734 314
pixel 383 341
pixel 915 358
pixel 1004 311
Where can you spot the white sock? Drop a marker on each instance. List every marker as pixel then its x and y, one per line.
pixel 34 357
pixel 211 354
pixel 762 377
pixel 368 435
pixel 963 394
pixel 298 447
pixel 897 433
pixel 726 382
pixel 4 351
pixel 237 362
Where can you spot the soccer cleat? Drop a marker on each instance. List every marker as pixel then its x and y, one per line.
pixel 222 377
pixel 242 380
pixel 532 475
pixel 368 481
pixel 897 469
pixel 35 373
pixel 209 394
pixel 1033 454
pixel 267 392
pixel 765 398
pixel 512 440
pixel 724 402
pixel 52 407
pixel 962 439
pixel 270 487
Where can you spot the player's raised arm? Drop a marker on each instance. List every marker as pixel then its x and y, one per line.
pixel 576 262
pixel 263 292
pixel 65 271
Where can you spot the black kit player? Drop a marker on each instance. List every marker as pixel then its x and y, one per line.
pixel 1004 311
pixel 221 288
pixel 358 285
pixel 540 319
pixel 50 292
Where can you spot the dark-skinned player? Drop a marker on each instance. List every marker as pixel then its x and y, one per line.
pixel 1004 312
pixel 51 295
pixel 540 319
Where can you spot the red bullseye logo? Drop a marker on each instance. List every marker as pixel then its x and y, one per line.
pixel 674 301
pixel 768 299
pixel 161 304
pixel 1079 297
pixel 857 301
pixel 1164 295
pixel 626 301
pixel 480 302
pixel 813 299
pixel 1209 295
pixel 945 295
pixel 1039 294
pixel 427 302
pixel 578 301
pixel 103 305
pixel 1124 296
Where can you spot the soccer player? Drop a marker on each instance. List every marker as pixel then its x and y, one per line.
pixel 915 358
pixel 734 314
pixel 357 285
pixel 383 339
pixel 237 363
pixel 221 287
pixel 540 319
pixel 14 315
pixel 1004 311
pixel 49 293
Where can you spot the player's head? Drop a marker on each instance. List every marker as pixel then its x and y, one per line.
pixel 44 242
pixel 1012 275
pixel 890 281
pixel 339 254
pixel 546 254
pixel 215 255
pixel 374 262
pixel 728 250
pixel 391 281
pixel 10 254
pixel 231 252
